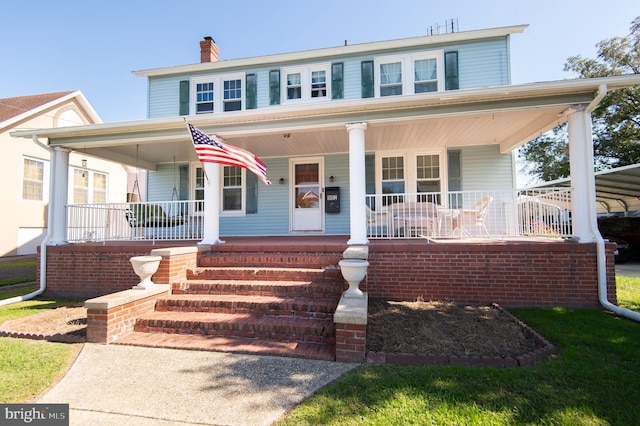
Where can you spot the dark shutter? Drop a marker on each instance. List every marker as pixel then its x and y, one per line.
pixel 184 97
pixel 251 202
pixel 252 92
pixel 367 79
pixel 451 71
pixel 337 80
pixel 274 87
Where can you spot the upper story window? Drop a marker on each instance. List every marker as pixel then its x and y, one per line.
pixel 300 84
pixel 232 98
pixel 391 79
pixel 33 180
pixel 409 74
pixel 204 98
pixel 219 94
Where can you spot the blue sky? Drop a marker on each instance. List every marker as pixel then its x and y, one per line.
pixel 50 46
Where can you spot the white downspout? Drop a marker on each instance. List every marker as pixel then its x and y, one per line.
pixel 43 248
pixel 600 244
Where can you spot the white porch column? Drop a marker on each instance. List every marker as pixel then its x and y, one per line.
pixel 211 218
pixel 583 204
pixel 58 195
pixel 357 184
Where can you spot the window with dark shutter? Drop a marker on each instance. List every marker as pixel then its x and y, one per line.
pixel 184 97
pixel 337 80
pixel 451 71
pixel 367 79
pixel 274 87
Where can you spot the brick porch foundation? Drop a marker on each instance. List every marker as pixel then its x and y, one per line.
pixel 535 274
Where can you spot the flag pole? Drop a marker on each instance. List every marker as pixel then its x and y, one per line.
pixel 203 168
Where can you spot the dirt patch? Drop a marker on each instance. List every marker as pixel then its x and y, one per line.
pixel 445 328
pixel 63 324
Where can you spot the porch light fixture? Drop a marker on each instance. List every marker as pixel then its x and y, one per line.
pixel 281 181
pixel 84 168
pixel 332 178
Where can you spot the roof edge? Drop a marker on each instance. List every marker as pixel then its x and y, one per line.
pixel 335 51
pixel 82 100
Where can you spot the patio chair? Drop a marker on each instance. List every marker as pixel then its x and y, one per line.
pixel 377 222
pixel 466 220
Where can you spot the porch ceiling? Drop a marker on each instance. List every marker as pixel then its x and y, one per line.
pixel 506 115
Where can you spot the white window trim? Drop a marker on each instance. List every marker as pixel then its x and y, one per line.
pixel 305 81
pixel 243 194
pixel 410 167
pixel 218 91
pixel 45 180
pixel 408 70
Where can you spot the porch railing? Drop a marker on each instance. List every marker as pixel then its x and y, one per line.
pixel 164 220
pixel 466 214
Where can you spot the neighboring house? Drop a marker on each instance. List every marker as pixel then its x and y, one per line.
pixel 25 167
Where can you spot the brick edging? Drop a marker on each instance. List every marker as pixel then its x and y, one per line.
pixel 545 351
pixel 58 337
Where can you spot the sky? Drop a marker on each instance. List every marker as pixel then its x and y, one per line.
pixel 94 46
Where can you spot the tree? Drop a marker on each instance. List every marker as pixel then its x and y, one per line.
pixel 616 121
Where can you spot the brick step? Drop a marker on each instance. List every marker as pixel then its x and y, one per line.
pixel 271 259
pixel 234 304
pixel 328 274
pixel 317 351
pixel 294 289
pixel 250 326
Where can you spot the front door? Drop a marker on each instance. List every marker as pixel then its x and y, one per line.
pixel 306 194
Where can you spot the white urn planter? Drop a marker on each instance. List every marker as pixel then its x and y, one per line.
pixel 145 267
pixel 353 271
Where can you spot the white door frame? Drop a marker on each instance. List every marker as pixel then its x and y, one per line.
pixel 306 220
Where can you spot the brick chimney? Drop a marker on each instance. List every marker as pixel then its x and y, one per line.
pixel 208 50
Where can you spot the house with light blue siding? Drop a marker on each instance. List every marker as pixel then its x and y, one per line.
pixel 400 152
pixel 429 124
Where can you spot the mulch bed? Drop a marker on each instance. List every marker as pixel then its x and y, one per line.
pixel 446 333
pixel 63 324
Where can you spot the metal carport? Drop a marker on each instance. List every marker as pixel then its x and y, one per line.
pixel 617 190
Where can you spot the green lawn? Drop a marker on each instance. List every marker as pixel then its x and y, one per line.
pixel 28 263
pixel 28 367
pixel 595 380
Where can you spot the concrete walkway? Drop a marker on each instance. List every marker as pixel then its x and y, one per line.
pixel 109 385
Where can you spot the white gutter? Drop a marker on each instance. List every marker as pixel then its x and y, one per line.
pixel 43 250
pixel 600 244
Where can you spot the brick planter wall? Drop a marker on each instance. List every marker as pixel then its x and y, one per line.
pixel 351 342
pixel 508 273
pixel 109 323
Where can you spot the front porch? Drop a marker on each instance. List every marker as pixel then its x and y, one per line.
pixel 293 284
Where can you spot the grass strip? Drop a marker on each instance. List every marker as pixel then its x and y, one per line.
pixel 28 367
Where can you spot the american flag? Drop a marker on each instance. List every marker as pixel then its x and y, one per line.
pixel 211 149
